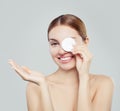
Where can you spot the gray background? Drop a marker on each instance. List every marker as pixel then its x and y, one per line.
pixel 23 37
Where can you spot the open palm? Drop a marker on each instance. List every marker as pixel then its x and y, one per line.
pixel 27 74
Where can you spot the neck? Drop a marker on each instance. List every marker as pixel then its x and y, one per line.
pixel 66 77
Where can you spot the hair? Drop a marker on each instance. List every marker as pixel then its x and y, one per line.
pixel 72 21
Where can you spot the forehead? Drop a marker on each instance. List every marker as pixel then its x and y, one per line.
pixel 61 32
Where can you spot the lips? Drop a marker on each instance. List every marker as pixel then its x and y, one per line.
pixel 65 59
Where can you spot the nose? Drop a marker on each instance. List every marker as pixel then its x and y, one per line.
pixel 61 50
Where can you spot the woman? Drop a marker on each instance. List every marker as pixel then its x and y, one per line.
pixel 72 87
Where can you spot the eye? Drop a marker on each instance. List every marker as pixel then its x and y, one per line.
pixel 54 44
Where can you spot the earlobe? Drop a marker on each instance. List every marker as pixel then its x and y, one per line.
pixel 86 41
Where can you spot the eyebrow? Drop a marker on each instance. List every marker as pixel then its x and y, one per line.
pixel 52 40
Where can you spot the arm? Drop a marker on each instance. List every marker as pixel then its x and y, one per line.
pixel 83 60
pixel 84 100
pixel 105 89
pixel 33 97
pixel 45 98
pixel 38 97
pixel 103 98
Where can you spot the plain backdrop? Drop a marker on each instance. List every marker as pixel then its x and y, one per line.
pixel 23 37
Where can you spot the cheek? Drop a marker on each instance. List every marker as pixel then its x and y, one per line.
pixel 53 54
pixel 53 51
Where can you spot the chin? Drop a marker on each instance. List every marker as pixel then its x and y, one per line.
pixel 66 64
pixel 67 67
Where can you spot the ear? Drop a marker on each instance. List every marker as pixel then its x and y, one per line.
pixel 86 41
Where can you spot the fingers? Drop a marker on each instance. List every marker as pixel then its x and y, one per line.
pixel 24 73
pixel 27 74
pixel 83 52
pixel 27 70
pixel 13 64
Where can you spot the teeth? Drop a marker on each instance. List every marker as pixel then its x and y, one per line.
pixel 65 58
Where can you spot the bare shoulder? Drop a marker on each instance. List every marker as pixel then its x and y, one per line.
pixel 102 80
pixel 32 88
pixel 33 97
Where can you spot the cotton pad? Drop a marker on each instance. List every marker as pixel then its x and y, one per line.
pixel 68 43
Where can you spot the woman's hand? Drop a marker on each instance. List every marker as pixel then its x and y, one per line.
pixel 83 58
pixel 27 74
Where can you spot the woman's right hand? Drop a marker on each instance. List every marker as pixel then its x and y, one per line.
pixel 27 74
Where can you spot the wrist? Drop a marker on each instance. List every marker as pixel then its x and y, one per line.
pixel 42 82
pixel 84 77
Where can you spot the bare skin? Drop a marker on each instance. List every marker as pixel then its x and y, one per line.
pixel 71 87
pixel 66 93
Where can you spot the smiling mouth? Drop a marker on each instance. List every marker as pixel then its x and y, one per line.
pixel 65 59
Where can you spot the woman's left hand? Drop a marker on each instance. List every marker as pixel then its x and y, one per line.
pixel 83 59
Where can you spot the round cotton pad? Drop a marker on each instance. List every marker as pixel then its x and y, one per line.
pixel 67 44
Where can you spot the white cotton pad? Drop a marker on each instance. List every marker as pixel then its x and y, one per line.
pixel 67 44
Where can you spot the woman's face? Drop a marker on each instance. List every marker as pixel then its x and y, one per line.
pixel 65 60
